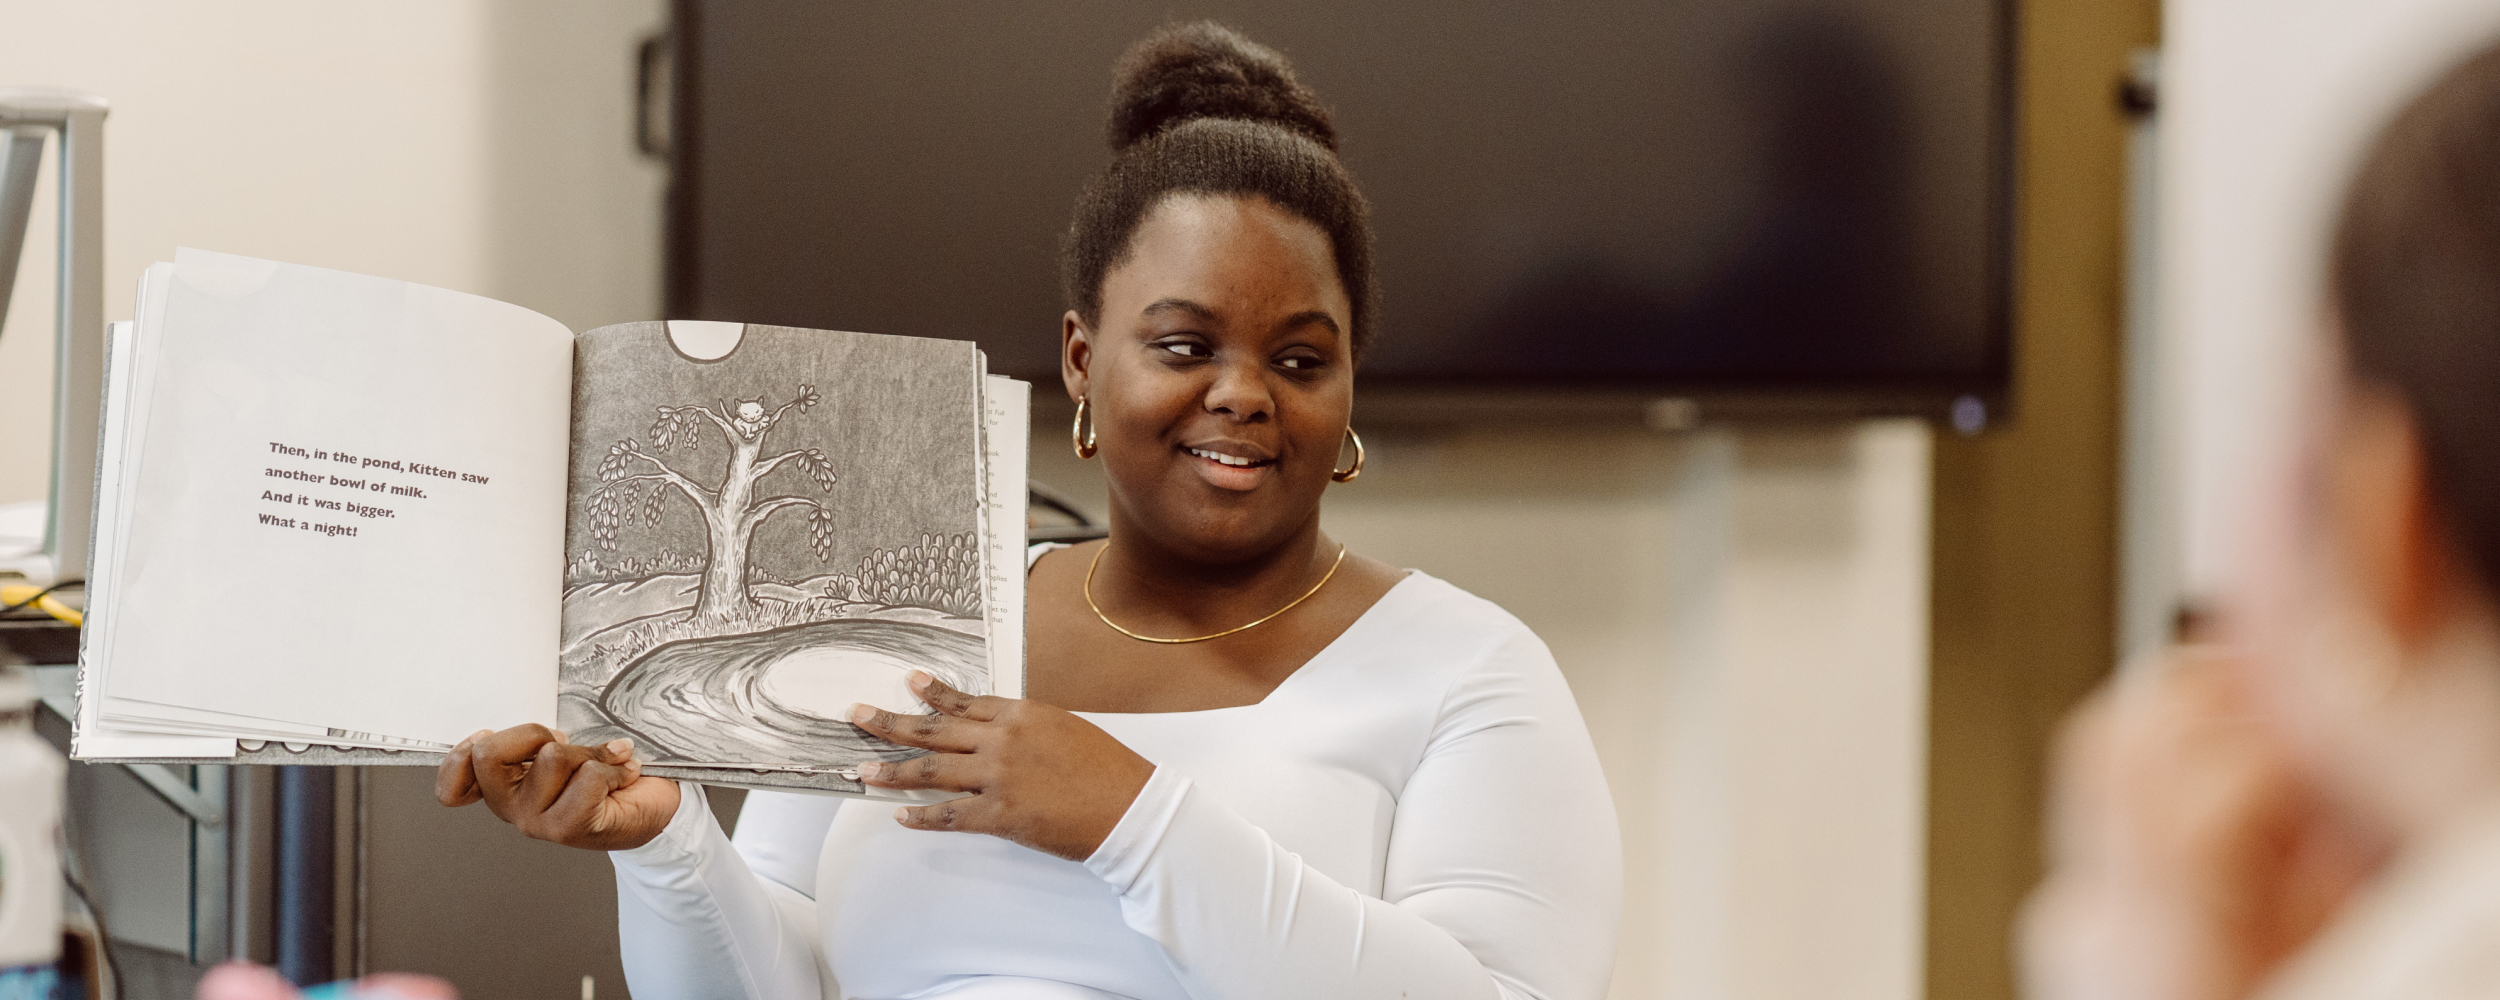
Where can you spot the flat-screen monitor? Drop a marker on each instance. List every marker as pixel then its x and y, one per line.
pixel 1799 199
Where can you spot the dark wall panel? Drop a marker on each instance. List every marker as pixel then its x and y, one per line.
pixel 1697 194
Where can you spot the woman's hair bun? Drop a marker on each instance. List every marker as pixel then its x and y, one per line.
pixel 1206 70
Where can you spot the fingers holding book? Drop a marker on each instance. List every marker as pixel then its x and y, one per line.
pixel 501 765
pixel 606 807
pixel 945 772
pixel 943 733
pixel 1031 773
pixel 529 776
pixel 950 702
pixel 455 785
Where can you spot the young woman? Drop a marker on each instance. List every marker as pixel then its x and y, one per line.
pixel 1253 764
pixel 2311 808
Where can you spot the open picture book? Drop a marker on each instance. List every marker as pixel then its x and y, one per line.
pixel 349 520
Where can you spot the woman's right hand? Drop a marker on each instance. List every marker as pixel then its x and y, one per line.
pixel 2189 856
pixel 595 798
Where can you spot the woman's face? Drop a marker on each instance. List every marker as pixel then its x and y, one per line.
pixel 1220 377
pixel 2301 607
pixel 2372 649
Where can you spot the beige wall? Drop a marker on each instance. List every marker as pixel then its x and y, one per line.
pixel 477 146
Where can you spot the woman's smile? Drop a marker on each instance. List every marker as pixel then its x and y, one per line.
pixel 1231 465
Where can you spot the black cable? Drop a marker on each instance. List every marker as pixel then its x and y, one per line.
pixel 1044 496
pixel 74 861
pixel 41 594
pixel 103 937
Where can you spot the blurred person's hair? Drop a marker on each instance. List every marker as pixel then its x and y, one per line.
pixel 2415 281
pixel 1199 109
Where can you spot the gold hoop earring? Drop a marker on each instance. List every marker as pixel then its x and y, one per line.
pixel 1079 434
pixel 1347 475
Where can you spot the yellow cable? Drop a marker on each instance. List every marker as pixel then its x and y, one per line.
pixel 11 593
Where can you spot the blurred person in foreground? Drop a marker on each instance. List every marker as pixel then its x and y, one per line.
pixel 2309 804
pixel 245 981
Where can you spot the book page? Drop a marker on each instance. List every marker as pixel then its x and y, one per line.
pixel 89 735
pixel 768 525
pixel 1006 420
pixel 125 727
pixel 344 506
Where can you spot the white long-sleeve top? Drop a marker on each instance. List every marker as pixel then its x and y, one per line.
pixel 1416 812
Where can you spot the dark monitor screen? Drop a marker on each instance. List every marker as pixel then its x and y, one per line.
pixel 1668 197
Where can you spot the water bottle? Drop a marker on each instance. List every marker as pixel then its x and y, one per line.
pixel 32 783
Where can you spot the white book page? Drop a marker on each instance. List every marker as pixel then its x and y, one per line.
pixel 346 506
pixel 1007 418
pixel 110 727
pixel 128 386
pixel 155 718
pixel 90 736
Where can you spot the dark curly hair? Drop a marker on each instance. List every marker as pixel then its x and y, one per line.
pixel 1199 109
pixel 2415 279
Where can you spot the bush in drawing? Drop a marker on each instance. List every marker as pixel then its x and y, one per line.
pixel 942 573
pixel 634 484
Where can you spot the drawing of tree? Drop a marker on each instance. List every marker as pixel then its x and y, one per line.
pixel 634 483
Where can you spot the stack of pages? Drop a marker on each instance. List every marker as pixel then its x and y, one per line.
pixel 344 519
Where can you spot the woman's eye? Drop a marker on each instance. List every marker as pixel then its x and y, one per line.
pixel 1187 348
pixel 1299 362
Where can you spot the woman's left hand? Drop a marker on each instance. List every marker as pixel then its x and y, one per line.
pixel 1034 774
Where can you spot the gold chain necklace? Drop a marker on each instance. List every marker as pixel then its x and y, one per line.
pixel 1115 626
